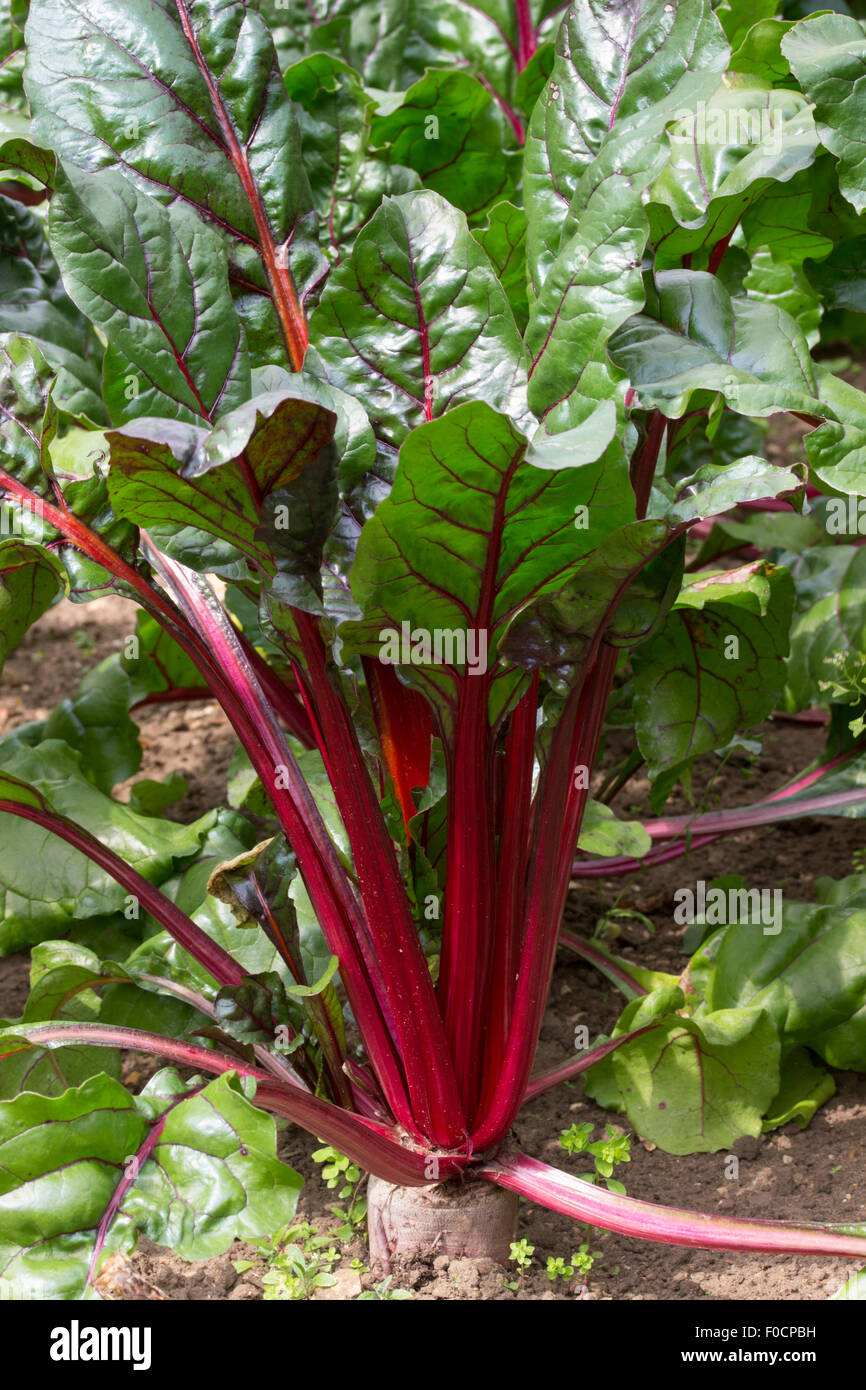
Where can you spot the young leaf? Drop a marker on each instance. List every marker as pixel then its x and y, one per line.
pixel 830 627
pixel 603 833
pixel 452 132
pixel 803 1090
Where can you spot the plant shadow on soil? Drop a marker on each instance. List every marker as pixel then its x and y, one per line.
pixel 815 1174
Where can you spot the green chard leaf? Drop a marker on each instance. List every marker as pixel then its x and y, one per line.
pixel 618 73
pixel 434 331
pixel 810 975
pixel 829 631
pixel 722 158
pixel 470 532
pixel 623 586
pixel 29 422
pixel 169 473
pixel 347 177
pixel 837 448
pixel 455 135
pixel 691 1084
pixel 716 666
pixel 826 54
pixel 188 1165
pixel 804 1089
pixel 69 887
pixel 704 339
pixel 34 303
pixel 188 100
pixel 156 284
pixel 503 240
pixel 30 580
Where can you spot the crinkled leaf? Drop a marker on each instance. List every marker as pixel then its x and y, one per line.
pixel 68 980
pixel 416 321
pixel 591 288
pixel 95 723
pixel 156 284
pixel 60 1161
pixel 716 488
pixel 801 218
pixel 837 449
pixel 34 303
pixel 214 1176
pixel 503 240
pixel 470 532
pixel 621 70
pixel 776 281
pixel 28 434
pixel 188 100
pixel 826 54
pixel 723 156
pixel 347 179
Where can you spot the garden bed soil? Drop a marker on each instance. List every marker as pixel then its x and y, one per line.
pixel 815 1174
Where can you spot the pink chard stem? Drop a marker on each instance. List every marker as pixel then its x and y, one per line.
pixel 406 978
pixel 545 1080
pixel 378 1147
pixel 629 1216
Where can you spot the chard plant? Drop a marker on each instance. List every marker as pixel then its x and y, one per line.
pixel 444 340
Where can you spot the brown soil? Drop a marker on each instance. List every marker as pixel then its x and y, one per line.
pixel 814 1174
